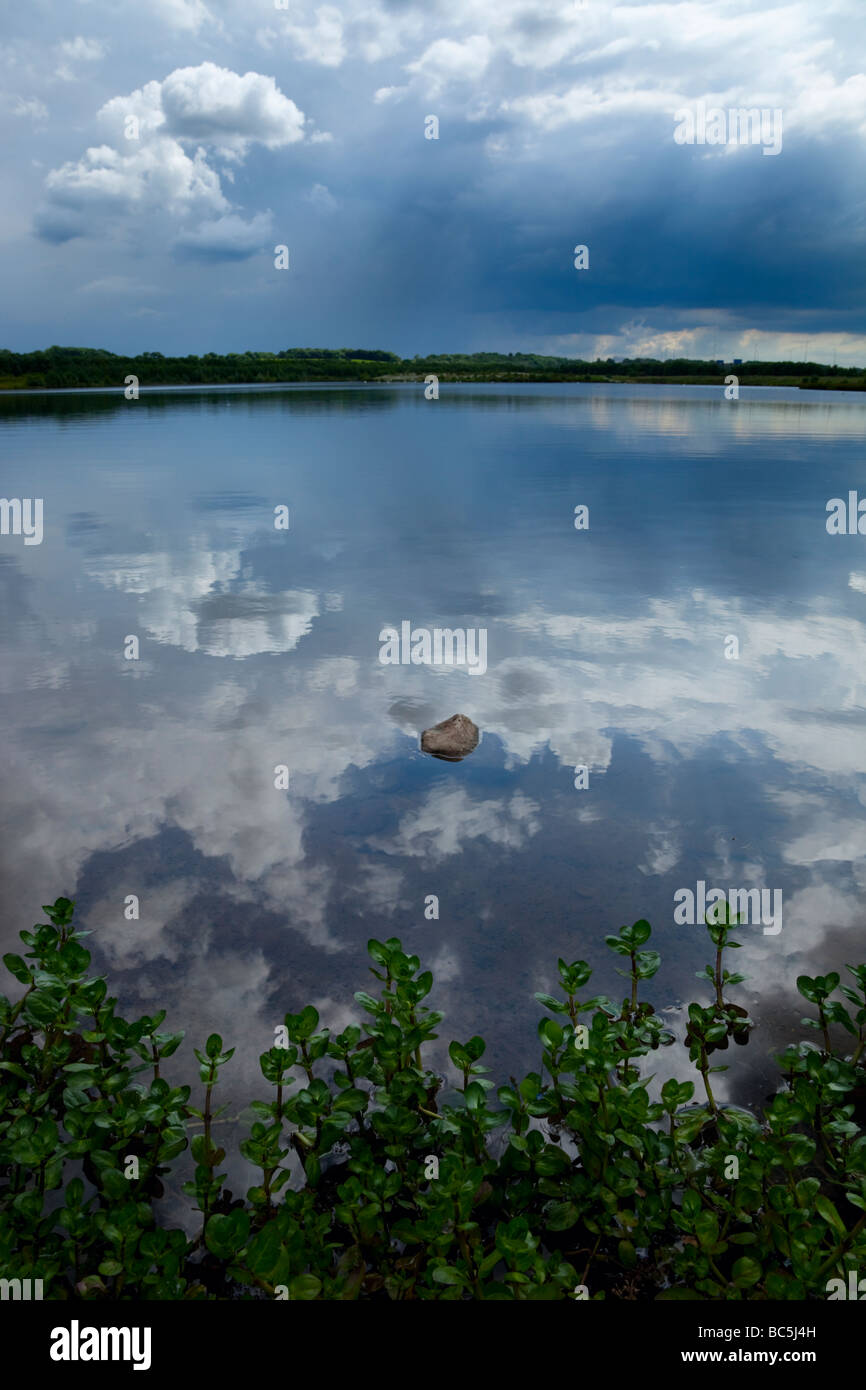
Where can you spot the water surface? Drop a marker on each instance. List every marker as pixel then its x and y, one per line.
pixel 260 648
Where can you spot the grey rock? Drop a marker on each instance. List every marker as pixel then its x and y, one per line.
pixel 452 739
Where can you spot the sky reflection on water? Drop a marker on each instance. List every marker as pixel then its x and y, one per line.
pixel 605 648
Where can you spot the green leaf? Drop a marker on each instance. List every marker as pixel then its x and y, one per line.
pixel 226 1235
pixel 307 1023
pixel 806 1190
pixel 305 1287
pixel 691 1204
pixel 353 1100
pixel 618 946
pixel 17 967
pixel 826 1208
pixel 15 1069
pixel 561 1216
pixel 74 1192
pixel 627 1254
pixel 42 1007
pixel 474 1096
pixel 746 1272
pixel 670 1094
pixel 648 963
pixel 555 1005
pixel 707 1228
pixel 550 1032
pixel 447 1274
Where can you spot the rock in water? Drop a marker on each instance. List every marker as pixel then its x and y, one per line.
pixel 452 739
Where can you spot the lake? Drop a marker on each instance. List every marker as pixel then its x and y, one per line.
pixel 738 763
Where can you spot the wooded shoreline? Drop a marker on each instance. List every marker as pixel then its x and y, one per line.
pixel 69 368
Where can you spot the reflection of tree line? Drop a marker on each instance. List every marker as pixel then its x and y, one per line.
pixel 298 401
pixel 77 404
pixel 59 368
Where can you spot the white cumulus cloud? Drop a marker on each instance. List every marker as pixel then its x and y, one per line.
pixel 163 137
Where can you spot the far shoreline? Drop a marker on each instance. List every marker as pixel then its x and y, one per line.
pixel 84 368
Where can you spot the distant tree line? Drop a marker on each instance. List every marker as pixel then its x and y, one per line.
pixel 64 367
pixel 70 367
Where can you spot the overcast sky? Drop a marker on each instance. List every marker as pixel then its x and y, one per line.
pixel 257 126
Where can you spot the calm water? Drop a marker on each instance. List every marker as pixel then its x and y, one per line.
pixel 606 647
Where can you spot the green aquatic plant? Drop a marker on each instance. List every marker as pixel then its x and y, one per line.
pixel 382 1179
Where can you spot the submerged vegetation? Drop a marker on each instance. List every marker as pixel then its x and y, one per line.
pixel 379 1178
pixel 58 368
